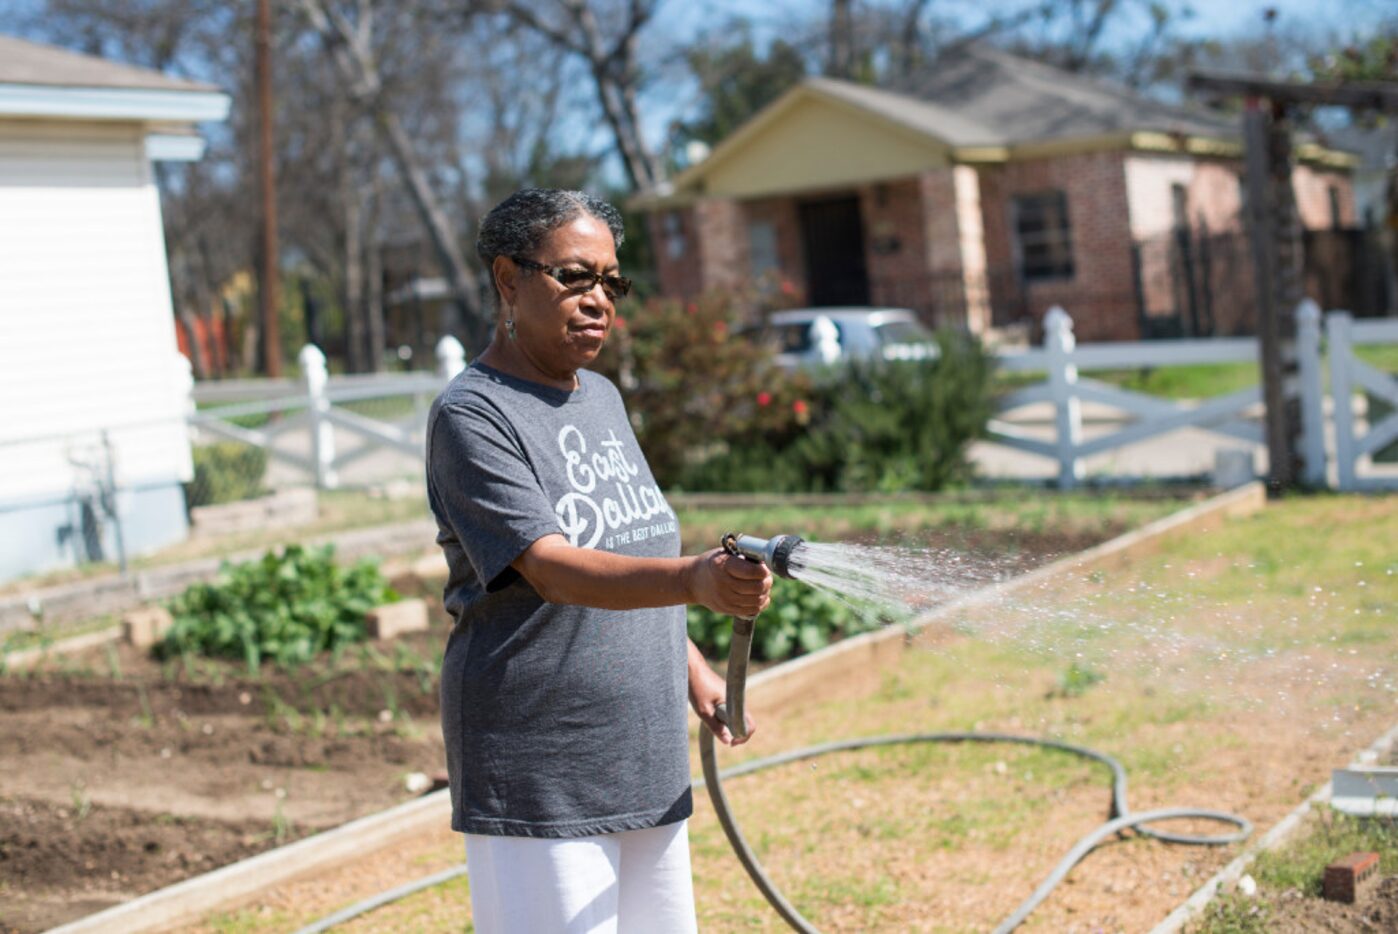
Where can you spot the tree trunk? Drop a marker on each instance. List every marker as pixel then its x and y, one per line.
pixel 352 285
pixel 373 284
pixel 841 63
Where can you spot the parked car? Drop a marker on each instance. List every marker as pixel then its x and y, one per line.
pixel 815 337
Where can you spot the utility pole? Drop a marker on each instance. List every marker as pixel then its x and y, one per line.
pixel 1275 232
pixel 268 273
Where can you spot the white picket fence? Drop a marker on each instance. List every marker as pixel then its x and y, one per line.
pixel 311 429
pixel 1354 451
pixel 1236 415
pixel 314 433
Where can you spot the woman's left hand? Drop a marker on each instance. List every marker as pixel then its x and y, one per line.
pixel 706 691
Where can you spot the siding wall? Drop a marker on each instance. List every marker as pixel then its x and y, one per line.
pixel 86 334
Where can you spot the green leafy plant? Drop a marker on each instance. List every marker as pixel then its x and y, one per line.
pixel 800 619
pixel 225 472
pixel 287 607
pixel 902 425
pixel 1076 681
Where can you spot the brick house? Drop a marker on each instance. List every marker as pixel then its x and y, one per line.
pixel 986 192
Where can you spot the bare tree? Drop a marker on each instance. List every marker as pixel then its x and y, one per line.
pixel 841 61
pixel 351 45
pixel 612 63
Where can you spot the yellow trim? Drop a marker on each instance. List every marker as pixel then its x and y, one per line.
pixel 1211 146
pixel 1330 158
pixel 976 154
pixel 777 109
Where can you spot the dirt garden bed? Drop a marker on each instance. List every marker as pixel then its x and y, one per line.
pixel 123 775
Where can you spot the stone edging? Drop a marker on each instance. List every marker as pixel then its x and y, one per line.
pixel 238 881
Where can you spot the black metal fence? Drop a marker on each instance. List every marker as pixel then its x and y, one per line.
pixel 1192 283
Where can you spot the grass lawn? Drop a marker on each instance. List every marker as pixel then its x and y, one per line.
pixel 1230 670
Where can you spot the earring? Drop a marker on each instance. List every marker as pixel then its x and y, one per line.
pixel 510 324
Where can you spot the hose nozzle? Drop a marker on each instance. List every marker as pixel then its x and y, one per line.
pixel 775 552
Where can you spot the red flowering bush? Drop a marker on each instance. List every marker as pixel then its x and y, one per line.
pixel 695 388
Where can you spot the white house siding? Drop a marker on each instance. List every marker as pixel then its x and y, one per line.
pixel 87 344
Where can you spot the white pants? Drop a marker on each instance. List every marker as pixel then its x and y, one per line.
pixel 633 882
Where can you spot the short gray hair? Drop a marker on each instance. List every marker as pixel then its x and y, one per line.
pixel 518 225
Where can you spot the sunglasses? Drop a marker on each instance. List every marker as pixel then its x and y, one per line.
pixel 579 280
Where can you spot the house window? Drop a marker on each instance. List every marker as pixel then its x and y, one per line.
pixel 1043 236
pixel 762 248
pixel 1336 214
pixel 673 226
pixel 1179 206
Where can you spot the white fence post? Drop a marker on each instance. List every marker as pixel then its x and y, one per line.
pixel 314 377
pixel 1337 329
pixel 1063 380
pixel 451 358
pixel 1312 393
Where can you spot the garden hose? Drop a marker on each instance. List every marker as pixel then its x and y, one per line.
pixel 774 553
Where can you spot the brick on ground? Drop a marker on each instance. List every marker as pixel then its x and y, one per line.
pixel 393 619
pixel 145 626
pixel 1350 877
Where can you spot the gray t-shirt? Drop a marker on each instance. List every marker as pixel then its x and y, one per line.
pixel 559 720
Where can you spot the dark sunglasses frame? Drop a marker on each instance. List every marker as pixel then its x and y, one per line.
pixel 615 286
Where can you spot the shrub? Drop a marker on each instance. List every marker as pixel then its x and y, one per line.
pixel 287 607
pixel 225 472
pixel 693 388
pixel 896 426
pixel 800 619
pixel 867 427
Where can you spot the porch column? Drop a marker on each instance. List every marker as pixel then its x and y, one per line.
pixel 721 235
pixel 955 238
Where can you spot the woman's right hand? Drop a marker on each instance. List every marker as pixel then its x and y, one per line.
pixel 728 584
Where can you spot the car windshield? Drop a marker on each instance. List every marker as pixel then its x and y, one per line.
pixel 795 337
pixel 902 332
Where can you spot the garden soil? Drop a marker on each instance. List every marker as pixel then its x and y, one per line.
pixel 122 775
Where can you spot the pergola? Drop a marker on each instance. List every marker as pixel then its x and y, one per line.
pixel 1275 232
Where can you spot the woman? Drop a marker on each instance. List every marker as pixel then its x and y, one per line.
pixel 565 676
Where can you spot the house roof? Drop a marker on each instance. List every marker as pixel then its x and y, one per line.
pixel 23 62
pixel 40 81
pixel 1023 101
pixel 973 104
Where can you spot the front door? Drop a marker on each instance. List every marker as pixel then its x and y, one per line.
pixel 833 235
